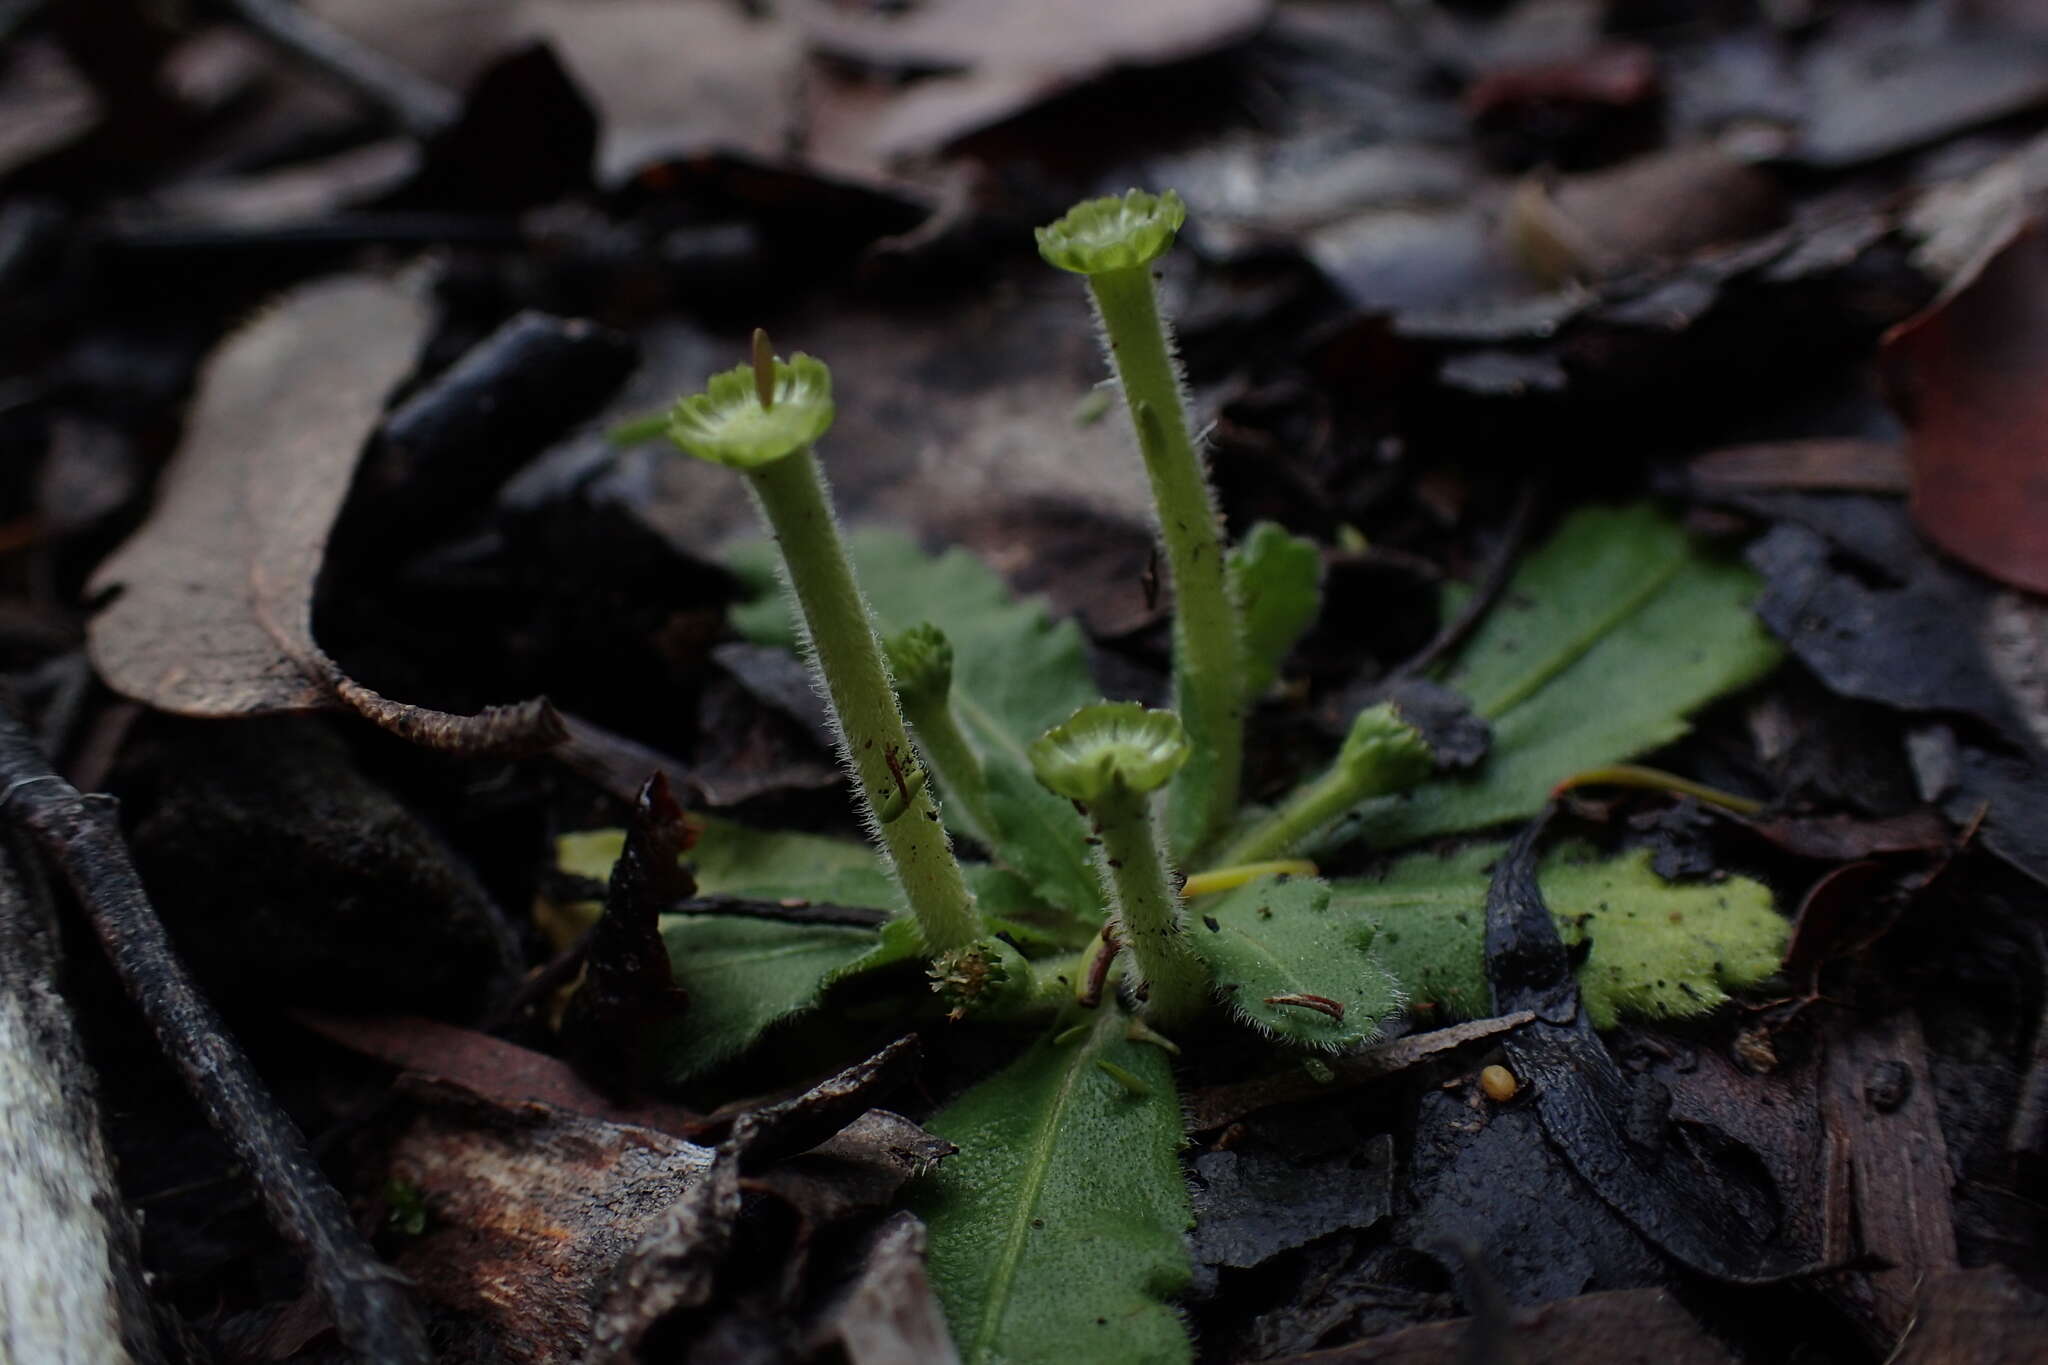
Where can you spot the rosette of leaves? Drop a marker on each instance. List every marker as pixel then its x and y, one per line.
pixel 1057 1231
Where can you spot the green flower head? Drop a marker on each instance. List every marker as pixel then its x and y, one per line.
pixel 1111 744
pixel 729 424
pixel 1102 235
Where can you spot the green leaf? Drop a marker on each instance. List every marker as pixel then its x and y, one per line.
pixel 1058 1231
pixel 1658 949
pixel 1016 673
pixel 737 860
pixel 745 974
pixel 734 860
pixel 1277 579
pixel 1605 640
pixel 1279 936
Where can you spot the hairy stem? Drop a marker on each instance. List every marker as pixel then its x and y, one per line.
pixel 1148 916
pixel 954 761
pixel 1208 642
pixel 1311 808
pixel 872 739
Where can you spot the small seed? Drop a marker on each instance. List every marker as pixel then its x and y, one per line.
pixel 1499 1084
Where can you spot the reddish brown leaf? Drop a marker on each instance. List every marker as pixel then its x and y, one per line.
pixel 490 1068
pixel 1967 375
pixel 213 608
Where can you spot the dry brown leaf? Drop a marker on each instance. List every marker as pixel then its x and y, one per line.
pixel 213 608
pixel 1000 58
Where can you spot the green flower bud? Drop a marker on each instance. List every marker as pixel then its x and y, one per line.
pixel 922 660
pixel 1383 753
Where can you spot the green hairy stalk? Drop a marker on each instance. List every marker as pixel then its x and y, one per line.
pixel 762 420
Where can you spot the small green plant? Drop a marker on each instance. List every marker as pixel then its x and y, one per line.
pixel 1058 1229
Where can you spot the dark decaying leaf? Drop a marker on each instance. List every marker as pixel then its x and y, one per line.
pixel 213 608
pixel 1837 838
pixel 1885 1139
pixel 1893 642
pixel 1967 375
pixel 291 874
pixel 1621 1324
pixel 1691 1214
pixel 1252 1205
pixel 1986 1315
pixel 1874 614
pixel 629 998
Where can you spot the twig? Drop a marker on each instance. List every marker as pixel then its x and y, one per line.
pixel 375 1318
pixel 1497 574
pixel 73 1291
pixel 414 103
pixel 788 912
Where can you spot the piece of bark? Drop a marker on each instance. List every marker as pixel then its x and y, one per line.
pixel 212 599
pixel 528 1210
pixel 888 1315
pixel 73 1292
pixel 1890 1194
pixel 81 841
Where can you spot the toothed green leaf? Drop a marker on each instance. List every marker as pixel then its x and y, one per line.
pixel 1278 582
pixel 744 975
pixel 1058 1232
pixel 1279 936
pixel 1658 949
pixel 1016 672
pixel 1606 639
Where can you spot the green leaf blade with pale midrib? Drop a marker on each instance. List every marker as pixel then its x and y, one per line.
pixel 1058 1230
pixel 1607 638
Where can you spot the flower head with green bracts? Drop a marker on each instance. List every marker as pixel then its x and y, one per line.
pixel 1107 746
pixel 1113 233
pixel 754 415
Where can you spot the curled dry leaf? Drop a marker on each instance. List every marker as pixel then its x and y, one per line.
pixel 213 608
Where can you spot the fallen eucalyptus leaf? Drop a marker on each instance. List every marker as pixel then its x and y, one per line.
pixel 213 608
